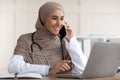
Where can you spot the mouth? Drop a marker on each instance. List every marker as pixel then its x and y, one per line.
pixel 56 28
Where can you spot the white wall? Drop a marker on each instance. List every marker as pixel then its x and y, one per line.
pixel 7 32
pixel 100 17
pixel 85 17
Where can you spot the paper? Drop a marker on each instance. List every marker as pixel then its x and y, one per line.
pixel 21 75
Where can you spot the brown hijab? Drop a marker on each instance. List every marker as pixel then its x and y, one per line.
pixel 49 43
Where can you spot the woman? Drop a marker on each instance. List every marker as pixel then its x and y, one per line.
pixel 44 51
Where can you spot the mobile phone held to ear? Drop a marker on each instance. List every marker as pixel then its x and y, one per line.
pixel 62 32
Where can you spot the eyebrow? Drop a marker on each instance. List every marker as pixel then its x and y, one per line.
pixel 56 16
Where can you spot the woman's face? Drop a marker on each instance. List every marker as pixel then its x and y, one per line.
pixel 54 21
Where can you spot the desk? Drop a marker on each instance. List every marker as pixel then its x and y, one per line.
pixel 117 77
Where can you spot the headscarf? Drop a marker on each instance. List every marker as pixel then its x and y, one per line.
pixel 45 11
pixel 50 43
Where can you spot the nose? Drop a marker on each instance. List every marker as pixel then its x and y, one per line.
pixel 58 23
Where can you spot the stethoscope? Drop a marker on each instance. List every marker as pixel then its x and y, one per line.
pixel 42 51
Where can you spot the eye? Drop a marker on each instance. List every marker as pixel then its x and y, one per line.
pixel 53 17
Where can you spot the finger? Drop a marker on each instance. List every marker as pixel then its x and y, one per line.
pixel 66 66
pixel 65 24
pixel 62 69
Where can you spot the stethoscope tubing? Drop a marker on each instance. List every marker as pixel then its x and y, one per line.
pixel 42 51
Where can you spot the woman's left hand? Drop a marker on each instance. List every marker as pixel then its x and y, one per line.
pixel 62 65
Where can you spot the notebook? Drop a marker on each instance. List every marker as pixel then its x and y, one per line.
pixel 104 61
pixel 21 75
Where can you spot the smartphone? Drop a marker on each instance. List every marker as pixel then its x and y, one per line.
pixel 62 32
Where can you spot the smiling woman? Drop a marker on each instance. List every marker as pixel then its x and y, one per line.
pixel 43 51
pixel 54 21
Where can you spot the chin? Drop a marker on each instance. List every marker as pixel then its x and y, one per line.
pixel 55 33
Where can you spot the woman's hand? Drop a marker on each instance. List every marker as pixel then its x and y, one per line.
pixel 60 66
pixel 69 30
pixel 69 34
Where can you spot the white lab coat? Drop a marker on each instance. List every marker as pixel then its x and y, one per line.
pixel 18 65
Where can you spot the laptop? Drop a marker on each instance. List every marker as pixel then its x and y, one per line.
pixel 104 61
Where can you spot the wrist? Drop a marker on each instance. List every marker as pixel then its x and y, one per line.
pixel 51 72
pixel 68 38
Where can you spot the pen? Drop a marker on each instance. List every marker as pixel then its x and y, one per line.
pixel 15 75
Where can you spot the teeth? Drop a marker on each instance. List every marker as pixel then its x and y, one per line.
pixel 57 28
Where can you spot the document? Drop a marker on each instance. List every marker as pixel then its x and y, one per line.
pixel 21 75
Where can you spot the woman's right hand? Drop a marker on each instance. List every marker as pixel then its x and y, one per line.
pixel 69 30
pixel 62 65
